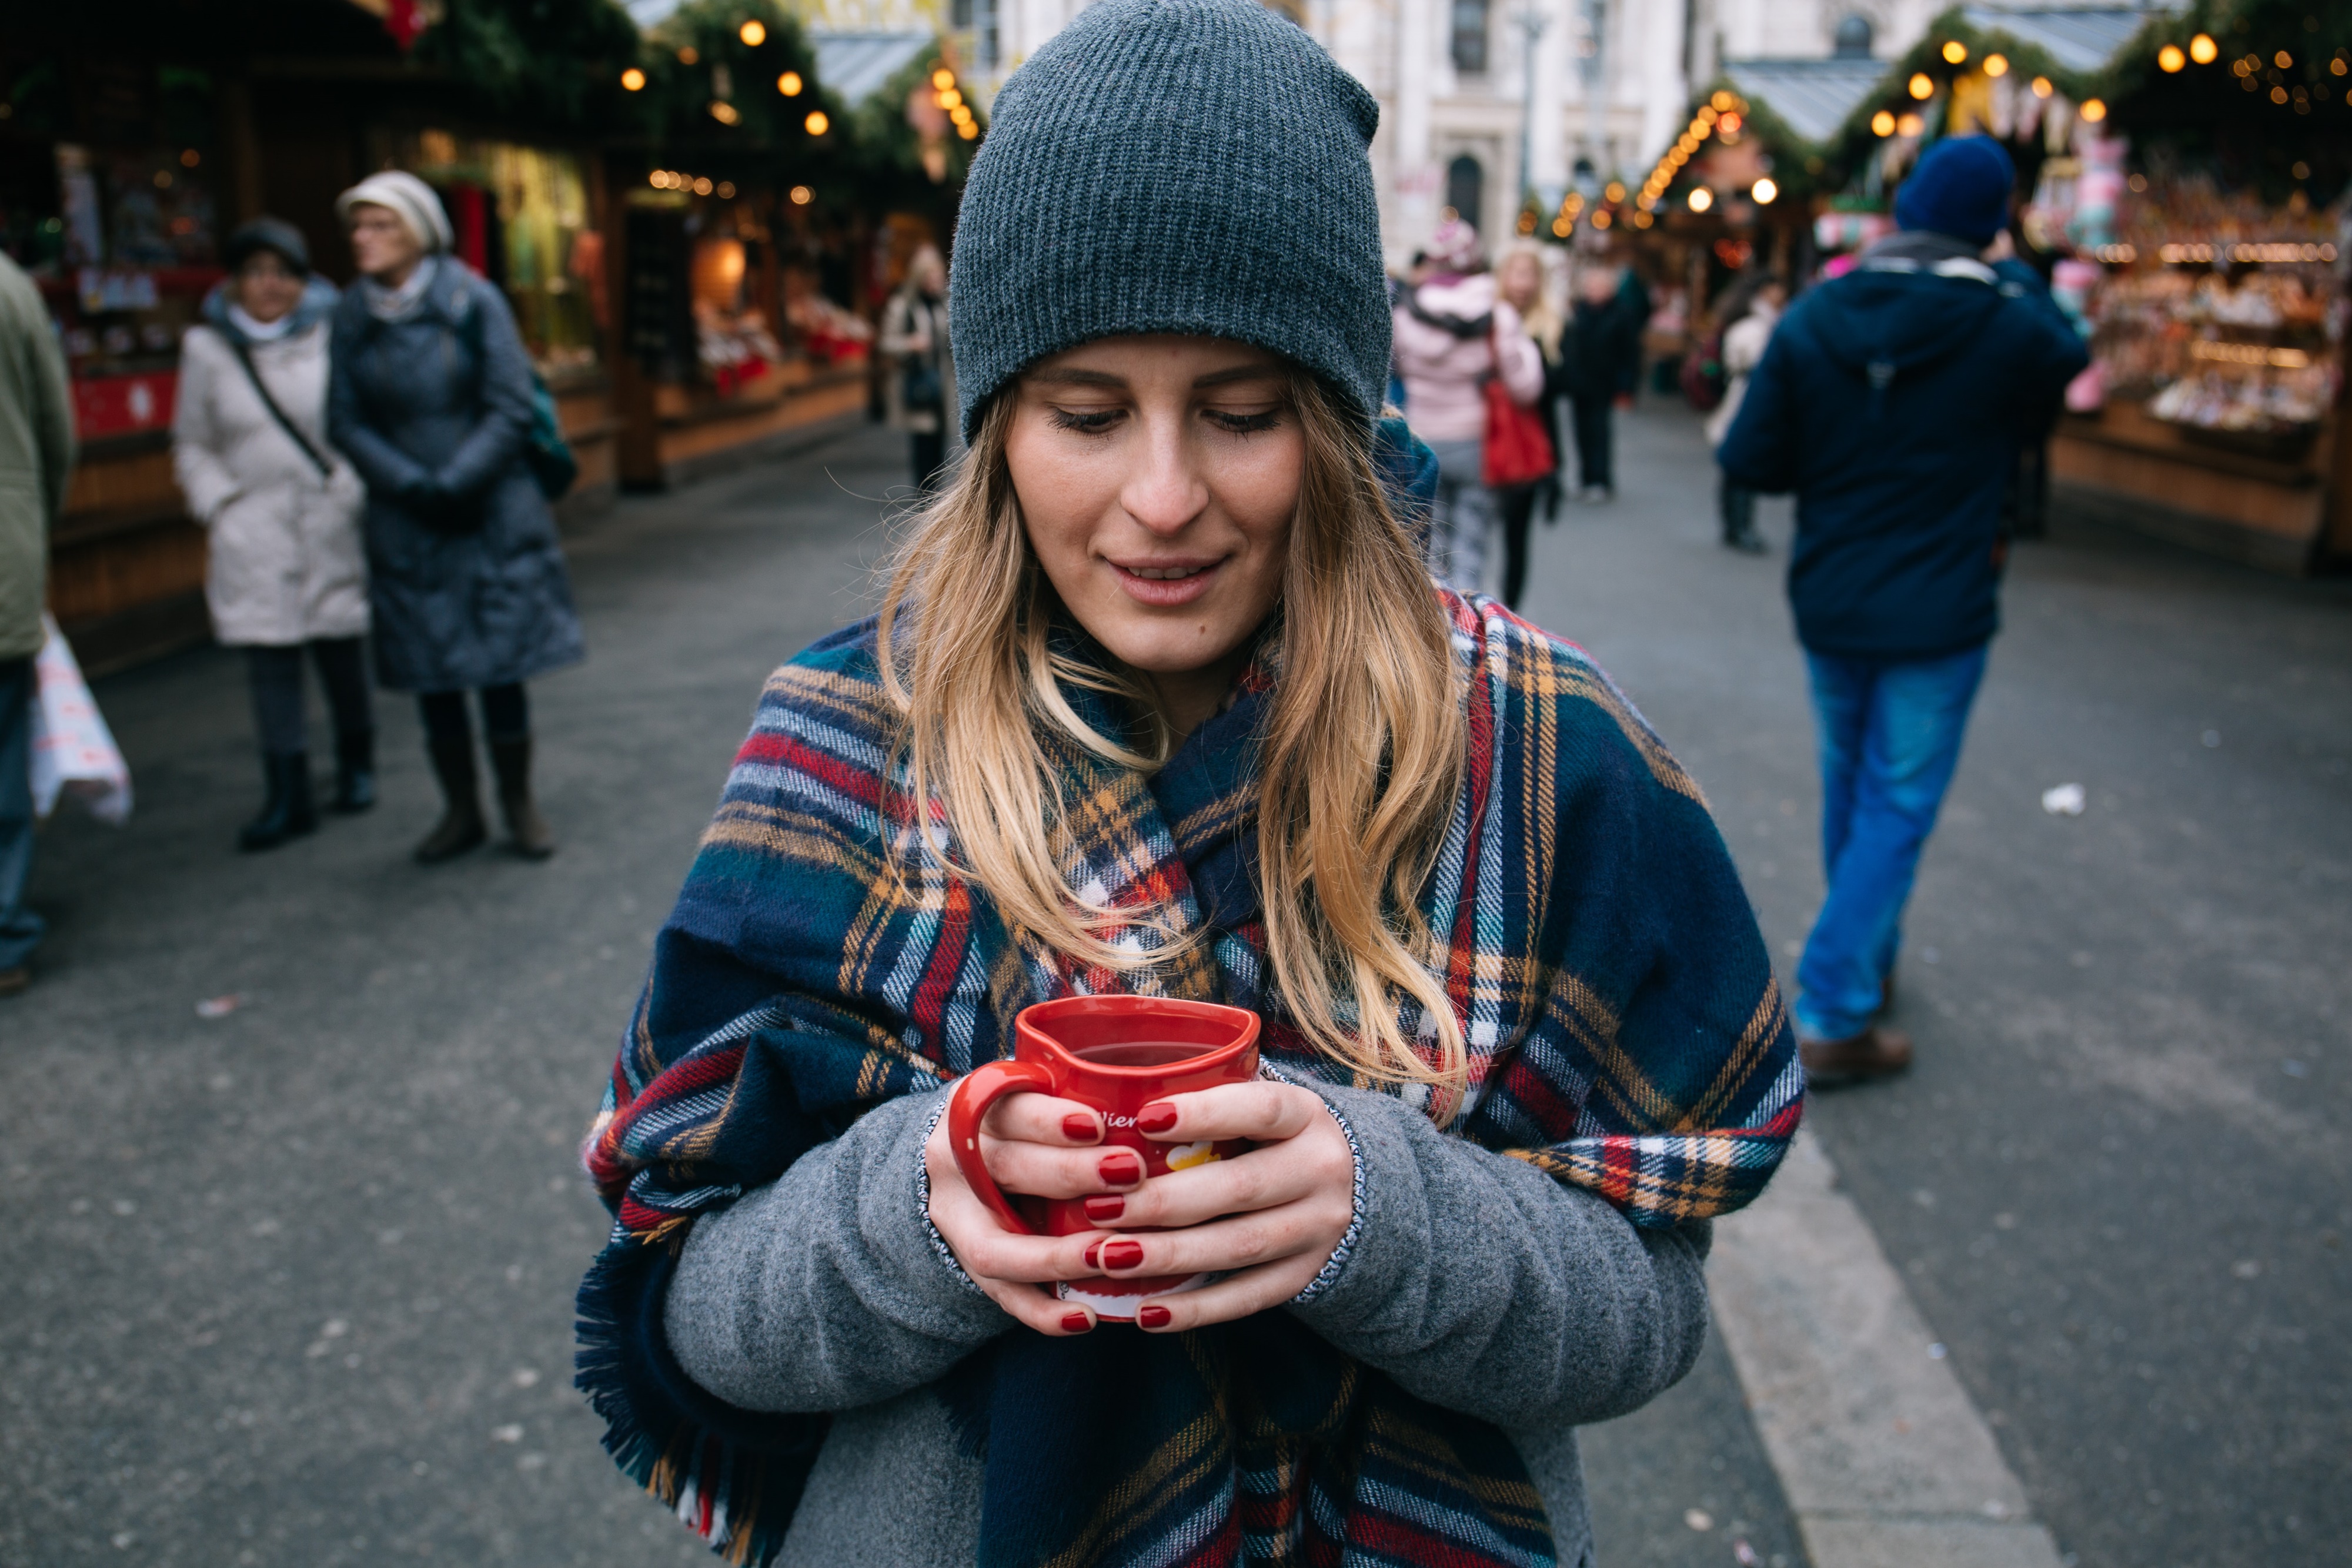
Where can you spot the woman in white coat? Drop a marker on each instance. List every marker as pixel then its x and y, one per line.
pixel 1748 313
pixel 286 569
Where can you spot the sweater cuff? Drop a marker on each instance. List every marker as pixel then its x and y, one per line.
pixel 1336 1264
pixel 939 1247
pixel 1376 1252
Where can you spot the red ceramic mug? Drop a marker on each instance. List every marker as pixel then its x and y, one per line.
pixel 1117 1054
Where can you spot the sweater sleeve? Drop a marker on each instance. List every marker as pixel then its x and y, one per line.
pixel 1485 1286
pixel 490 448
pixel 826 1288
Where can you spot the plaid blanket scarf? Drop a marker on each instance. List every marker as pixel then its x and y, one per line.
pixel 1626 1034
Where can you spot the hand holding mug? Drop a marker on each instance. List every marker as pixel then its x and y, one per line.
pixel 1036 1145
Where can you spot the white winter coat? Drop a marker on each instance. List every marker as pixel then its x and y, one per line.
pixel 286 563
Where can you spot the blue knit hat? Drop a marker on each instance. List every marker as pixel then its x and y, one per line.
pixel 1961 188
pixel 1189 166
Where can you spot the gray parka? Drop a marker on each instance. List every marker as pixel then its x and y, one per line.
pixel 434 409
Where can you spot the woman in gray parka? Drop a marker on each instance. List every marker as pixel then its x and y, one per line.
pixel 432 400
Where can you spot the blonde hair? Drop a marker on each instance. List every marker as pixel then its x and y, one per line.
pixel 1360 759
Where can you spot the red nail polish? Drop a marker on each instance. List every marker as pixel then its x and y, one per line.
pixel 1080 1129
pixel 1103 1208
pixel 1121 1169
pixel 1094 1255
pixel 1157 1117
pixel 1153 1317
pixel 1121 1254
pixel 1077 1323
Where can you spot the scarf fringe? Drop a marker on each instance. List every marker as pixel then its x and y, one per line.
pixel 719 1486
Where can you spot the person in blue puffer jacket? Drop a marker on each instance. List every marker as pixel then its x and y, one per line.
pixel 1892 401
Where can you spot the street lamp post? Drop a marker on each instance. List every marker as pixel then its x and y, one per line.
pixel 1531 24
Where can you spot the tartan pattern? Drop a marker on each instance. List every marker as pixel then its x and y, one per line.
pixel 1626 1034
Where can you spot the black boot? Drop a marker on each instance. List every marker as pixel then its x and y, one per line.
pixel 354 770
pixel 286 812
pixel 461 826
pixel 533 840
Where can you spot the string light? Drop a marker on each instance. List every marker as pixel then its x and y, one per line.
pixel 1955 52
pixel 1762 191
pixel 789 84
pixel 702 185
pixel 2203 49
pixel 943 80
pixel 724 112
pixel 2094 111
pixel 801 195
pixel 1923 86
pixel 1883 123
pixel 2042 88
pixel 753 33
pixel 1909 125
pixel 1996 65
pixel 688 56
pixel 1701 198
pixel 2170 59
pixel 632 80
pixel 1614 191
pixel 817 123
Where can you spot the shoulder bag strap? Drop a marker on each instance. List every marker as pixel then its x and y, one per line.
pixel 245 357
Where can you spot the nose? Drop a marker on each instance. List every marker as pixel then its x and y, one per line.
pixel 1164 491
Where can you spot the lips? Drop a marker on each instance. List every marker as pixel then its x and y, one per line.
pixel 1166 583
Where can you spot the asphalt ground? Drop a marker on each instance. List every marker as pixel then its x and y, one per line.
pixel 292 1285
pixel 2116 1181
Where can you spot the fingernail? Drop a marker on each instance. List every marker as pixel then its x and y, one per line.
pixel 1103 1208
pixel 1094 1255
pixel 1078 1322
pixel 1153 1317
pixel 1121 1169
pixel 1156 1117
pixel 1121 1254
pixel 1080 1129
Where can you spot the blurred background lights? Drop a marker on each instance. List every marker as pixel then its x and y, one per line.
pixel 1883 123
pixel 2041 87
pixel 1955 52
pixel 1996 65
pixel 1701 198
pixel 943 80
pixel 802 195
pixel 789 84
pixel 1923 86
pixel 1909 125
pixel 2169 58
pixel 817 123
pixel 632 79
pixel 1763 191
pixel 753 33
pixel 2094 111
pixel 2203 49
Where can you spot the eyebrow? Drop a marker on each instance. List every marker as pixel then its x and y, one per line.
pixel 1072 376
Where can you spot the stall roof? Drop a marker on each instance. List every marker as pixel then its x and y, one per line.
pixel 2079 37
pixel 854 66
pixel 1812 98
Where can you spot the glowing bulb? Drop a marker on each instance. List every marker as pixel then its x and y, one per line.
pixel 1763 191
pixel 789 84
pixel 632 80
pixel 2203 49
pixel 1882 123
pixel 969 130
pixel 2041 87
pixel 1909 125
pixel 1614 191
pixel 2094 111
pixel 1560 227
pixel 702 186
pixel 1996 65
pixel 753 33
pixel 1721 101
pixel 1701 198
pixel 1600 217
pixel 802 195
pixel 817 123
pixel 2169 58
pixel 950 99
pixel 2281 59
pixel 943 80
pixel 1729 125
pixel 689 54
pixel 1923 86
pixel 1955 52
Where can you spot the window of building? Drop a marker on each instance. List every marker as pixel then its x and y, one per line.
pixel 1465 189
pixel 1470 36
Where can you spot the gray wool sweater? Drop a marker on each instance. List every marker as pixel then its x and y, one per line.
pixel 1475 1281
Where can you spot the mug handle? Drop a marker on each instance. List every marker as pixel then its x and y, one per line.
pixel 980 1088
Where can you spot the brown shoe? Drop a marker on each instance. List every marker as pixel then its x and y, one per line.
pixel 510 759
pixel 1873 1053
pixel 461 826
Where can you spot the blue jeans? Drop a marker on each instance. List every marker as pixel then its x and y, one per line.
pixel 1889 739
pixel 20 928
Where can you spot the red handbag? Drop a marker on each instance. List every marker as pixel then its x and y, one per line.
pixel 1518 448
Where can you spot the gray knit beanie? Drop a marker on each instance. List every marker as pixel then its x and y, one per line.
pixel 1191 166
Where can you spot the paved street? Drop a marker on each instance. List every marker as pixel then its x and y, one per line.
pixel 292 1286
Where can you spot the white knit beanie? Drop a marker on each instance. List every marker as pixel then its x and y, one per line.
pixel 409 196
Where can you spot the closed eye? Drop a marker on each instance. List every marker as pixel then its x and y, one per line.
pixel 1245 424
pixel 1088 422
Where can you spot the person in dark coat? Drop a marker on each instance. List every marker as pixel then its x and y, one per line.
pixel 431 398
pixel 1892 401
pixel 1600 357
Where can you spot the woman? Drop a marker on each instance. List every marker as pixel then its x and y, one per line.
pixel 1521 281
pixel 919 390
pixel 1452 336
pixel 431 398
pixel 1161 700
pixel 1748 311
pixel 283 568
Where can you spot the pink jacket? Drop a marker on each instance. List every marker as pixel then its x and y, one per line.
pixel 1441 372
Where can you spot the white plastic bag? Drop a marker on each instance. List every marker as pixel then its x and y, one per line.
pixel 73 751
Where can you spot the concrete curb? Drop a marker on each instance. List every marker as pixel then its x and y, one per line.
pixel 1884 1458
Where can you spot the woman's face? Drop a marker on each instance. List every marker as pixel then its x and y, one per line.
pixel 1157 477
pixel 1522 281
pixel 266 287
pixel 381 245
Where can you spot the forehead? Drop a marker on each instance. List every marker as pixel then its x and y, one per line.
pixel 1151 355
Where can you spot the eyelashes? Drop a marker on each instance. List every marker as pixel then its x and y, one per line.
pixel 1095 422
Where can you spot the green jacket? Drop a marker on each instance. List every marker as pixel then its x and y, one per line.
pixel 36 455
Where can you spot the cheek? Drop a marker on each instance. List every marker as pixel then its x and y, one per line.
pixel 1061 498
